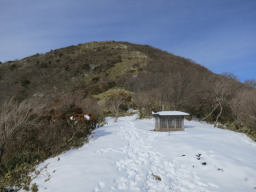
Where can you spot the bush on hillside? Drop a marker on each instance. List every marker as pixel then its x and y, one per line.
pixel 115 99
pixel 34 131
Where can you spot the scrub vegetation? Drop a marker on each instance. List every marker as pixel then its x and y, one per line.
pixel 105 78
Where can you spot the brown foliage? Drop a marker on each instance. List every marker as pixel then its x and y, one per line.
pixel 38 129
pixel 64 81
pixel 14 117
pixel 244 107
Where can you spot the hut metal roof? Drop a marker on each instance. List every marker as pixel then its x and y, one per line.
pixel 171 113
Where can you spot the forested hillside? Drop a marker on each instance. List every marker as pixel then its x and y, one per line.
pixel 104 78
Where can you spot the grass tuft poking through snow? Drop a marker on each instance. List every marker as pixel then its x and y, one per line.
pixel 127 156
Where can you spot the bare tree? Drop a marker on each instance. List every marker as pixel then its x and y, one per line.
pixel 13 117
pixel 148 101
pixel 250 83
pixel 114 100
pixel 243 106
pixel 223 88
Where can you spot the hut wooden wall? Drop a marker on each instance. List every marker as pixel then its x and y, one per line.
pixel 157 123
pixel 169 123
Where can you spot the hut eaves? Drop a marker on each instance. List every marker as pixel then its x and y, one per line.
pixel 170 113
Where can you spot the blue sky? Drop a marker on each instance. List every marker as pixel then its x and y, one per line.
pixel 218 34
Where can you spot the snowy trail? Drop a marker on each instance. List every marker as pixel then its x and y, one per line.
pixel 141 163
pixel 128 156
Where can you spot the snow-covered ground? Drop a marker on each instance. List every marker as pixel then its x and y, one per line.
pixel 129 156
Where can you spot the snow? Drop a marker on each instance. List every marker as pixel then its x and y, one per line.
pixel 87 117
pixel 170 113
pixel 127 156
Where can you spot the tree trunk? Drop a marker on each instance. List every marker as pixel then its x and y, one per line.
pixel 210 112
pixel 116 114
pixel 218 116
pixel 1 152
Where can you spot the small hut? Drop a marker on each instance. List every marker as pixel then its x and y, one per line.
pixel 169 120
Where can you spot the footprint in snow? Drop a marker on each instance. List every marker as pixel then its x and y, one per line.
pixel 198 156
